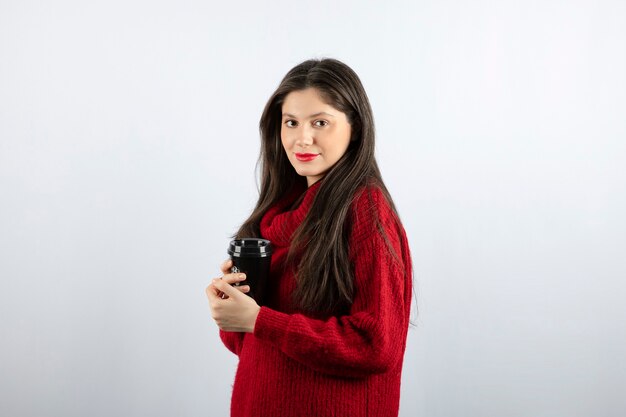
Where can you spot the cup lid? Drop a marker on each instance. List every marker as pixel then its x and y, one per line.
pixel 250 247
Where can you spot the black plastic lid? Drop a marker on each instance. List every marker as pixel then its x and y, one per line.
pixel 250 247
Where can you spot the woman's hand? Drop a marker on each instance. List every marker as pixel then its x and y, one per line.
pixel 232 310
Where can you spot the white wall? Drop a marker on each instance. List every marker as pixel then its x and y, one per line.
pixel 128 137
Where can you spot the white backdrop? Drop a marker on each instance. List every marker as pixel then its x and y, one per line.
pixel 128 138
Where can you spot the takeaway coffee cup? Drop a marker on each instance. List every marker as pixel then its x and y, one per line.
pixel 252 256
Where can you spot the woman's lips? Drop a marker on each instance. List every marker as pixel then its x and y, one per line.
pixel 305 157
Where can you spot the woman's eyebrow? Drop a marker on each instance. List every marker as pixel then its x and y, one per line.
pixel 310 117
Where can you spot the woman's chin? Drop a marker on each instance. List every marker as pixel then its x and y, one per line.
pixel 305 172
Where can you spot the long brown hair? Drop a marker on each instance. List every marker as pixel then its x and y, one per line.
pixel 324 274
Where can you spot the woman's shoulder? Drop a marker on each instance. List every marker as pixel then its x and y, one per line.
pixel 370 211
pixel 375 227
pixel 371 198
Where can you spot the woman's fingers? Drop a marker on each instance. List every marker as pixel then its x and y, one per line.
pixel 226 265
pixel 234 279
pixel 231 278
pixel 228 290
pixel 243 288
pixel 212 293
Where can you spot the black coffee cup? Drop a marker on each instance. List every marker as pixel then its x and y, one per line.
pixel 252 256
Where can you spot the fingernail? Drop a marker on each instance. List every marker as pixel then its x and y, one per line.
pixel 242 276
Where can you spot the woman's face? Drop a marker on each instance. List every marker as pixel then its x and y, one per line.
pixel 314 134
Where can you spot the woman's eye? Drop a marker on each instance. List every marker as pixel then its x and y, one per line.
pixel 318 123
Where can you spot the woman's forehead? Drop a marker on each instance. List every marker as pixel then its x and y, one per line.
pixel 306 104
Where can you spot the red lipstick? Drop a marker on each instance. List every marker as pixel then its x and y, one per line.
pixel 305 157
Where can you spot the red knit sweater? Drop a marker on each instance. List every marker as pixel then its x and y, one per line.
pixel 346 366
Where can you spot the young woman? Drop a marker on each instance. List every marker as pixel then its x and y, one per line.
pixel 329 339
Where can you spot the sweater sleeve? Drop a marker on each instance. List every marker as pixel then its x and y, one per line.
pixel 232 340
pixel 371 338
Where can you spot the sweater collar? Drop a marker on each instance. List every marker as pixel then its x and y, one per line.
pixel 280 222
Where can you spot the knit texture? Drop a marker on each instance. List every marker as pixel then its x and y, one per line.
pixel 342 366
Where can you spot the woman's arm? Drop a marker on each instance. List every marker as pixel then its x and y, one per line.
pixel 232 340
pixel 372 338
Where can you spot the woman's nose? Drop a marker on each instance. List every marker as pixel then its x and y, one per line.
pixel 305 137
